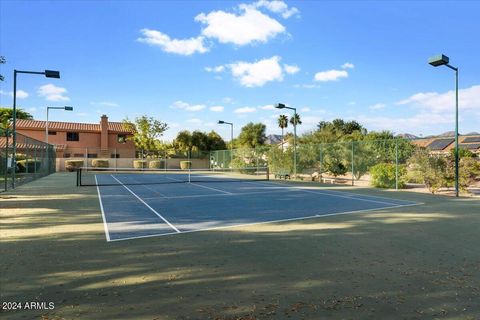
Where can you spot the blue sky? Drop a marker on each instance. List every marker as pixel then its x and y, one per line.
pixel 191 63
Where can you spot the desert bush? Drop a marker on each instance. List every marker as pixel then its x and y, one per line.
pixel 29 165
pixel 156 164
pixel 100 163
pixel 185 165
pixel 71 165
pixel 384 175
pixel 140 164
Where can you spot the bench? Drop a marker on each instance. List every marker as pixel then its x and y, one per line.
pixel 330 180
pixel 282 174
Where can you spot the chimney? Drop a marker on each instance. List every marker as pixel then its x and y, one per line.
pixel 104 133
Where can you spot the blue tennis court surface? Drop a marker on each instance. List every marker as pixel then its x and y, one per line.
pixel 133 210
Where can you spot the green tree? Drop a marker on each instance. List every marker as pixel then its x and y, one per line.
pixel 6 116
pixel 252 135
pixel 215 141
pixel 183 141
pixel 146 133
pixel 282 123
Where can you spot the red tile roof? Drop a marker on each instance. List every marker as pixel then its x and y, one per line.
pixel 70 126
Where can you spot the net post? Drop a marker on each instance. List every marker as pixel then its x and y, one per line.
pixel 268 173
pixel 78 176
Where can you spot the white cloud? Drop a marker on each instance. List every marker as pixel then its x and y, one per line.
pixel 32 109
pixel 184 47
pixel 347 65
pixel 291 69
pixel 278 7
pixel 249 26
pixel 245 110
pixel 268 107
pixel 53 93
pixel 305 109
pixel 468 99
pixel 258 73
pixel 20 94
pixel 377 106
pixel 330 75
pixel 306 86
pixel 217 69
pixel 188 107
pixel 194 121
pixel 216 108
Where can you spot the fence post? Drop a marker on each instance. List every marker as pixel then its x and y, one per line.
pixel 35 160
pixel 396 164
pixel 353 166
pixel 6 159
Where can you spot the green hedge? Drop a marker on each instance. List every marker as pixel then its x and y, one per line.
pixel 185 164
pixel 71 165
pixel 100 163
pixel 140 164
pixel 29 166
pixel 383 175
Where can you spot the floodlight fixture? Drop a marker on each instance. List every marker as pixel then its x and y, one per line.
pixel 438 60
pixel 52 74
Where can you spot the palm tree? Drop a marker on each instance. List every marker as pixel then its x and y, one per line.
pixel 295 120
pixel 282 123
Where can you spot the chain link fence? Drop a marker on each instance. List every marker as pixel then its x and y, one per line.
pixel 33 159
pixel 388 163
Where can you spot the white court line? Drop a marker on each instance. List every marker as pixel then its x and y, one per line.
pixel 146 204
pixel 199 185
pixel 272 221
pixel 223 195
pixel 335 195
pixel 105 226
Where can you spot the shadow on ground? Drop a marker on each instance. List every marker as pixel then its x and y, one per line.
pixel 410 263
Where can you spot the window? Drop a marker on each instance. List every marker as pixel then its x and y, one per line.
pixel 91 155
pixel 52 133
pixel 115 155
pixel 66 155
pixel 78 155
pixel 122 138
pixel 73 136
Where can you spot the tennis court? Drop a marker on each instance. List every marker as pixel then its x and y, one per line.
pixel 138 204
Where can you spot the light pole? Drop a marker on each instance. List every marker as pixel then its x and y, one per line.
pixel 283 106
pixel 231 131
pixel 66 108
pixel 46 73
pixel 440 60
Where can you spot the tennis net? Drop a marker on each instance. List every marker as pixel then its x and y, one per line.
pixel 132 176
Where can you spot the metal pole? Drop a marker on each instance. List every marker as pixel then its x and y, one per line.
pixel 396 164
pixel 14 127
pixel 46 141
pixel 456 133
pixel 294 143
pixel 353 168
pixel 6 159
pixel 231 144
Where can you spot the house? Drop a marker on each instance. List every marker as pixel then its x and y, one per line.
pixel 444 145
pixel 82 140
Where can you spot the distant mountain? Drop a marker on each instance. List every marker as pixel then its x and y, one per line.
pixel 473 134
pixel 407 136
pixel 448 134
pixel 273 139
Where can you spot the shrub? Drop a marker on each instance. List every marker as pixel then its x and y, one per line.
pixel 384 175
pixel 185 165
pixel 156 164
pixel 71 165
pixel 29 166
pixel 428 168
pixel 140 164
pixel 100 163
